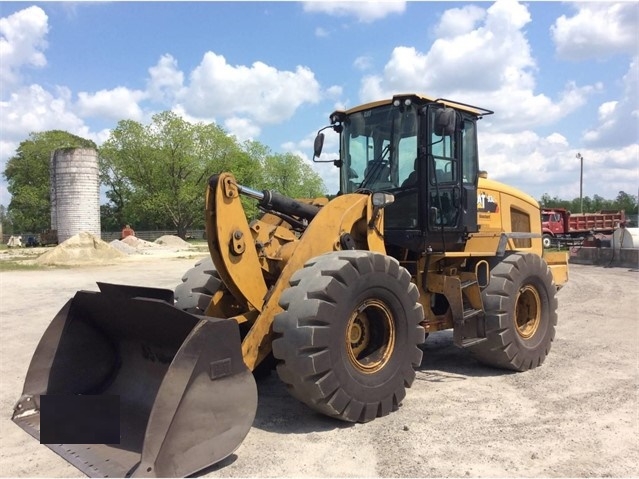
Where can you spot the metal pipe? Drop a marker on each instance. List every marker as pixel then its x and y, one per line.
pixel 581 183
pixel 250 192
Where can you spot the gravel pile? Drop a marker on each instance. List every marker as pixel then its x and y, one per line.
pixel 134 245
pixel 123 247
pixel 83 248
pixel 172 241
pixel 139 244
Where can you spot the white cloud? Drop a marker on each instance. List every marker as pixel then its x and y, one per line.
pixel 117 104
pixel 458 21
pixel 99 137
pixel 557 139
pixel 363 62
pixel 329 174
pixel 325 169
pixel 340 105
pixel 608 171
pixel 321 32
pixel 165 80
pixel 242 128
pixel 260 92
pixel 32 108
pixel 7 149
pixel 364 11
pixel 179 110
pixel 493 55
pixel 538 165
pixel 22 42
pixel 597 30
pixel 486 61
pixel 618 119
pixel 334 91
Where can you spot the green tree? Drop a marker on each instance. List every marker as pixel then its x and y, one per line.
pixel 626 202
pixel 623 201
pixel 120 208
pixel 158 172
pixel 27 175
pixel 285 173
pixel 290 175
pixel 555 202
pixel 576 205
pixel 5 219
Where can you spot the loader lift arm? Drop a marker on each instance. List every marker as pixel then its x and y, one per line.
pixel 238 251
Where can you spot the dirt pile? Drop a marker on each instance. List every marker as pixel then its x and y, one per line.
pixel 139 244
pixel 172 241
pixel 132 245
pixel 83 248
pixel 123 247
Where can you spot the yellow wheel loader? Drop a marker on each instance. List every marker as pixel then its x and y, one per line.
pixel 338 293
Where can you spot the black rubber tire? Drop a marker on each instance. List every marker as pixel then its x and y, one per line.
pixel 546 241
pixel 194 294
pixel 524 280
pixel 198 285
pixel 331 297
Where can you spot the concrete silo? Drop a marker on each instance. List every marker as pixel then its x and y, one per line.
pixel 75 192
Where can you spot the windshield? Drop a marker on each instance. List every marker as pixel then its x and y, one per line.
pixel 379 148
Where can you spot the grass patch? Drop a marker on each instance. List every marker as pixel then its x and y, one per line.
pixel 194 255
pixel 199 245
pixel 197 242
pixel 21 257
pixel 11 265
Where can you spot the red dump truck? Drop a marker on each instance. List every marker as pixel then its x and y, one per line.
pixel 559 226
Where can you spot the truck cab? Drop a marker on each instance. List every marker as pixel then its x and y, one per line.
pixel 553 221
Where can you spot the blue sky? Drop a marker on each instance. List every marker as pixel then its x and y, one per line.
pixel 562 78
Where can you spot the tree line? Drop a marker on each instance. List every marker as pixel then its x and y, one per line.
pixel 623 201
pixel 153 176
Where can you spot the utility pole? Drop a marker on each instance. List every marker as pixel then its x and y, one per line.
pixel 581 182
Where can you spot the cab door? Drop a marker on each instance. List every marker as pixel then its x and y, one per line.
pixel 451 178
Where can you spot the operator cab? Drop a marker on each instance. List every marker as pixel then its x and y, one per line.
pixel 423 151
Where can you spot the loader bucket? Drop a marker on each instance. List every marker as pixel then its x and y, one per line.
pixel 186 398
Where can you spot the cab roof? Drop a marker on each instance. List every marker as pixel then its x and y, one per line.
pixel 421 99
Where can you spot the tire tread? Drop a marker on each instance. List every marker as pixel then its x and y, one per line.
pixel 309 306
pixel 503 347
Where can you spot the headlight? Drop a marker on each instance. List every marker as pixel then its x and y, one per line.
pixel 383 199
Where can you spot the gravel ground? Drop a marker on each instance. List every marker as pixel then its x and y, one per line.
pixel 575 416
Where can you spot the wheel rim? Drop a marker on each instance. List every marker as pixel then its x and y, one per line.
pixel 370 336
pixel 528 312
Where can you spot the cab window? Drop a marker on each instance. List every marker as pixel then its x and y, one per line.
pixel 444 163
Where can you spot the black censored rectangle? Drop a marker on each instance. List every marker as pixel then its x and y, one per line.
pixel 72 419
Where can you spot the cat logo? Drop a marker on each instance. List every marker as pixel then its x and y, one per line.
pixel 486 203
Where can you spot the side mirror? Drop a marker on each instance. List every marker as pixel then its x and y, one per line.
pixel 445 122
pixel 318 145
